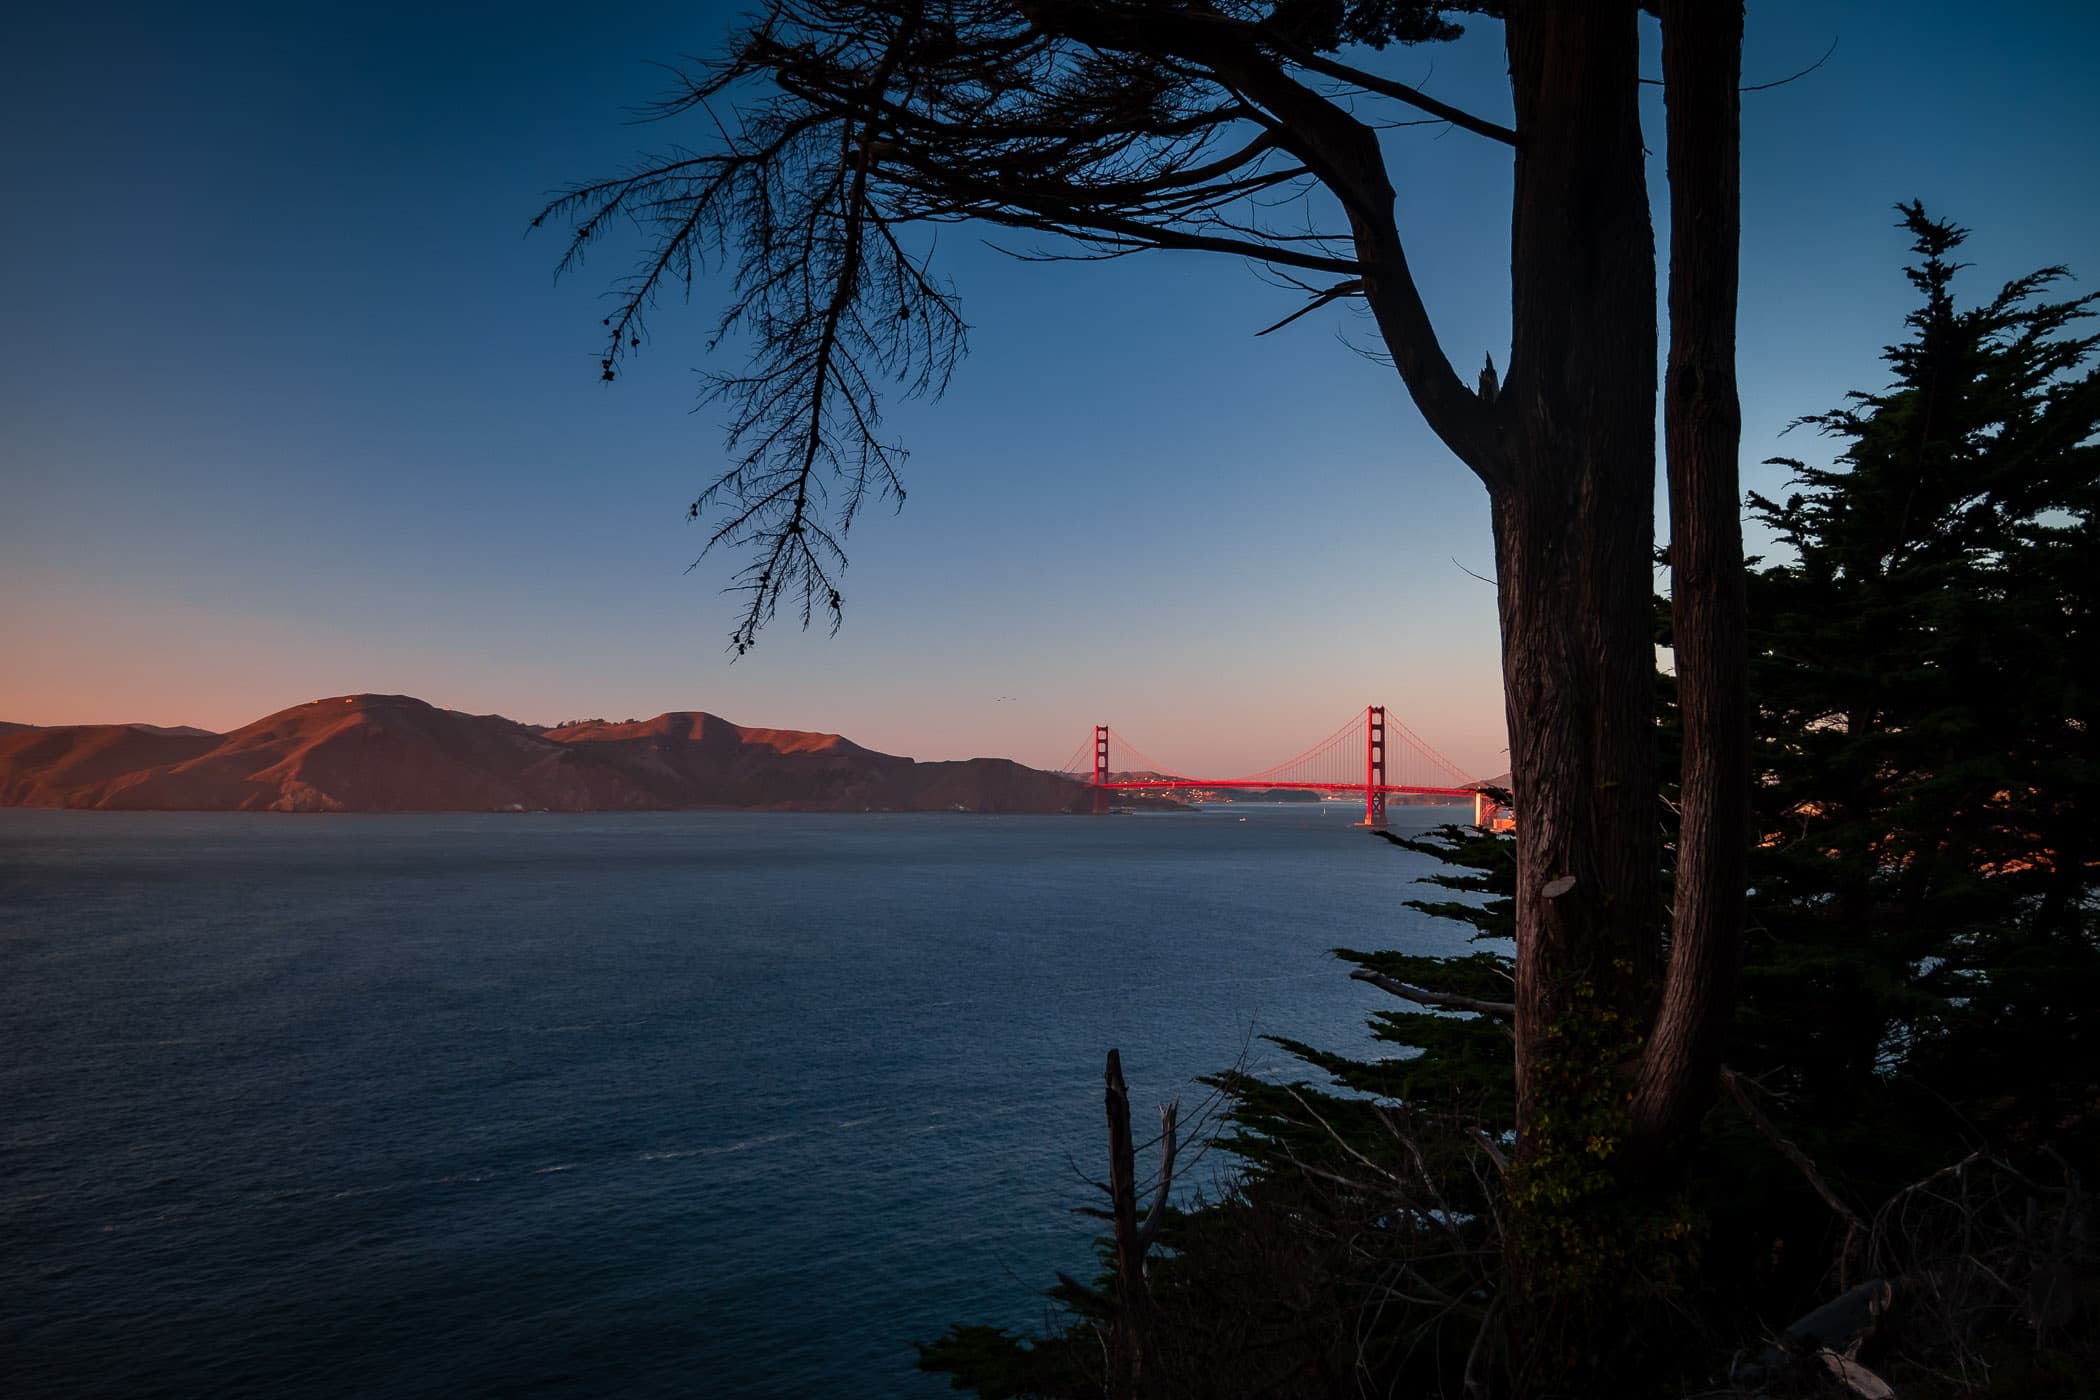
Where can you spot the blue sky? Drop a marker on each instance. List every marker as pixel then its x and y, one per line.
pixel 290 405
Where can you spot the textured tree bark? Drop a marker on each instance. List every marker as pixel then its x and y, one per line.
pixel 1133 1299
pixel 1702 426
pixel 1574 529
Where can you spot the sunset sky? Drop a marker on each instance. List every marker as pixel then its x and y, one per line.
pixel 290 404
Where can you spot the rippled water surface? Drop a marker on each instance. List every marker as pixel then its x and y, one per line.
pixel 669 1104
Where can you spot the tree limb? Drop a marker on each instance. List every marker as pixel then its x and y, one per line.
pixel 1353 287
pixel 1794 77
pixel 1270 37
pixel 1119 126
pixel 1702 431
pixel 1426 997
pixel 1413 97
pixel 1734 1084
pixel 1169 1126
pixel 1133 1296
pixel 1493 1150
pixel 1344 154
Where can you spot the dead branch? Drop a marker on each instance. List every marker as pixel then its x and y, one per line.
pixel 1132 1327
pixel 1855 1228
pixel 1951 1169
pixel 1339 1140
pixel 1413 97
pixel 1794 77
pixel 1353 287
pixel 1426 997
pixel 1122 1183
pixel 1169 1123
pixel 1493 1150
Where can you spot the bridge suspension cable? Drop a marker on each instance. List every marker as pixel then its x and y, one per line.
pixel 1129 760
pixel 1080 765
pixel 1338 759
pixel 1441 765
pixel 1357 757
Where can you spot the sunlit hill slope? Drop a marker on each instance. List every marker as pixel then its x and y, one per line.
pixel 394 753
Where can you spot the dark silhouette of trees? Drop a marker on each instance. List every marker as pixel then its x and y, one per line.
pixel 1900 1160
pixel 1927 668
pixel 832 128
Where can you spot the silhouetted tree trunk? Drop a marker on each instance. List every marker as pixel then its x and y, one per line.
pixel 1574 529
pixel 1702 425
pixel 1128 1352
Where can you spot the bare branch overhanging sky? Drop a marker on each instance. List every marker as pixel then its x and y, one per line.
pixel 290 408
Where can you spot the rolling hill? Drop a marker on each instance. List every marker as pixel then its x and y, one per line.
pixel 394 753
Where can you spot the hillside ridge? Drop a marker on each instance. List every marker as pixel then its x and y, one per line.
pixel 374 752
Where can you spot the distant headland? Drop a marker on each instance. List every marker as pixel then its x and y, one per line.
pixel 395 753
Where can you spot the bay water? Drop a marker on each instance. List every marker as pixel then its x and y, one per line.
pixel 668 1104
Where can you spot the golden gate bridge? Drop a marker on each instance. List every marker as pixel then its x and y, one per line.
pixel 1370 754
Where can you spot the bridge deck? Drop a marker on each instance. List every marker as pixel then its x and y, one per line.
pixel 1161 783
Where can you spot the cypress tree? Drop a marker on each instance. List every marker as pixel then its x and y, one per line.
pixel 1925 667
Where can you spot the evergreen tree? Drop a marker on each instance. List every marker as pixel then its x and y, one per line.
pixel 1923 951
pixel 1925 670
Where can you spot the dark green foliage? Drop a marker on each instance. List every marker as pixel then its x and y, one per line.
pixel 1490 866
pixel 1926 667
pixel 1923 952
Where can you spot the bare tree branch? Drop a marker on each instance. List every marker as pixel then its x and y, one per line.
pixel 1734 1084
pixel 1169 1125
pixel 1493 1150
pixel 1794 77
pixel 1413 97
pixel 1354 287
pixel 1425 997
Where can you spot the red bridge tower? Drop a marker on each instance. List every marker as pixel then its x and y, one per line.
pixel 1374 767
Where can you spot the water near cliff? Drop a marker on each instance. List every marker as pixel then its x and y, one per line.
pixel 677 1104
